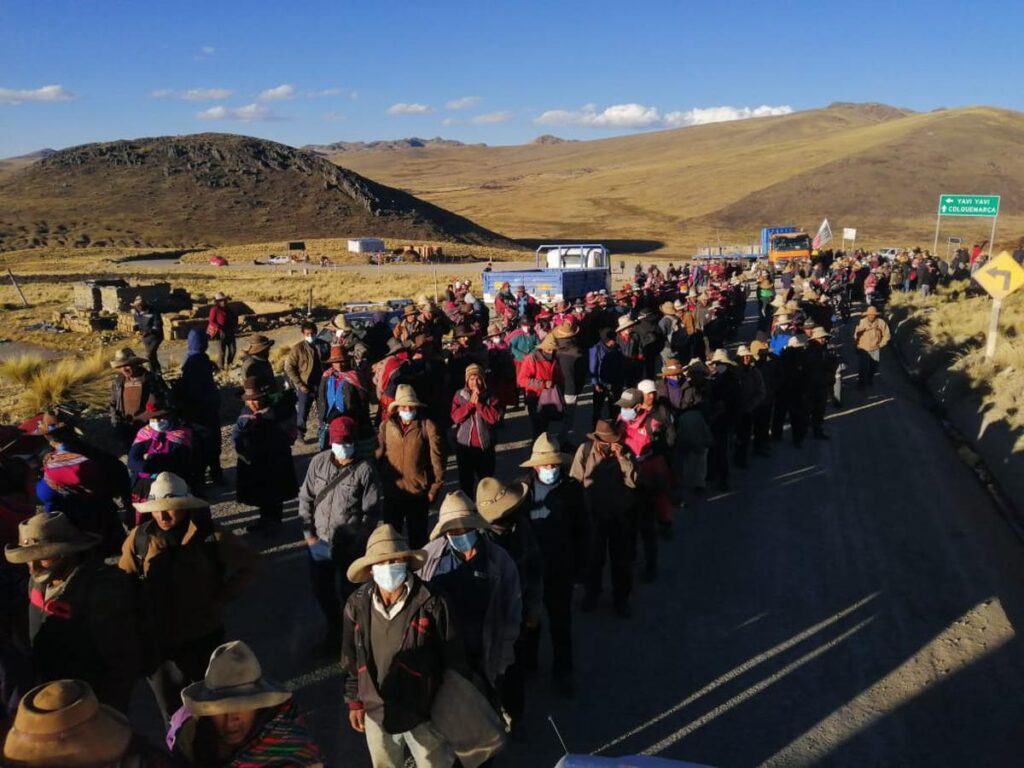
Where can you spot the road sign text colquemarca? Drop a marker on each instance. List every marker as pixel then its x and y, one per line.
pixel 985 206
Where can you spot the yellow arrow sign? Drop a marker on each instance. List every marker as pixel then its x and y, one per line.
pixel 1001 276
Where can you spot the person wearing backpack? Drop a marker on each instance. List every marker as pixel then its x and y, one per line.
pixel 339 505
pixel 189 569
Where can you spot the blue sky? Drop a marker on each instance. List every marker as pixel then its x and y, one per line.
pixel 494 72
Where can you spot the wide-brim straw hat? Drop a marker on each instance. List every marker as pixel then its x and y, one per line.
pixel 340 323
pixel 672 367
pixel 545 452
pixel 494 499
pixel 168 491
pixel 744 351
pixel 385 543
pixel 409 309
pixel 624 322
pixel 61 723
pixel 757 347
pixel 125 357
pixel 220 296
pixel 565 331
pixel 722 356
pixel 46 535
pixel 819 333
pixel 548 343
pixel 234 682
pixel 782 317
pixel 668 308
pixel 779 302
pixel 797 342
pixel 258 344
pixel 458 511
pixel 606 432
pixel 405 395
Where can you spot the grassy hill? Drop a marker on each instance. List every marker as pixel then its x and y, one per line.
pixel 207 189
pixel 876 168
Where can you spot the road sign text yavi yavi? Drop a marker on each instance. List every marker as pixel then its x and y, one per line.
pixel 985 206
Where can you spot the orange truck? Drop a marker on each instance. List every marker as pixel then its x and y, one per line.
pixel 782 244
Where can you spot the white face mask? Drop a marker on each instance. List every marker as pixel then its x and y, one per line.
pixel 407 416
pixel 160 425
pixel 628 414
pixel 548 475
pixel 343 450
pixel 309 339
pixel 390 576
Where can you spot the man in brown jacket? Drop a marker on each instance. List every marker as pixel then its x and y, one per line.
pixel 304 368
pixel 189 568
pixel 871 334
pixel 411 464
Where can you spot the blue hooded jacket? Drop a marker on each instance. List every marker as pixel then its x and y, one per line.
pixel 198 394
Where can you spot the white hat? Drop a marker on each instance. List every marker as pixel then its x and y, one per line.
pixel 744 351
pixel 647 386
pixel 469 298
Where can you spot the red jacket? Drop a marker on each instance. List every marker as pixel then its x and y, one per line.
pixel 536 369
pixel 222 322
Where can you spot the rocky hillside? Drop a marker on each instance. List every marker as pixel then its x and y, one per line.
pixel 207 189
pixel 386 145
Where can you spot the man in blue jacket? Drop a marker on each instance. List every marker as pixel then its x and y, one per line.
pixel 607 374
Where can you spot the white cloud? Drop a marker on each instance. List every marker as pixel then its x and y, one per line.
pixel 705 115
pixel 278 93
pixel 493 117
pixel 452 121
pixel 205 53
pixel 45 93
pixel 205 94
pixel 410 109
pixel 639 116
pixel 247 114
pixel 466 102
pixel 615 116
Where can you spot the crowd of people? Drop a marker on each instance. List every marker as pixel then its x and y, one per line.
pixel 437 622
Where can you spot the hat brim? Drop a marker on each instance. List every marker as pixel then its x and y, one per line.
pixel 406 403
pixel 509 502
pixel 470 520
pixel 605 438
pixel 666 372
pixel 546 459
pixel 129 361
pixel 157 414
pixel 253 348
pixel 175 502
pixel 48 549
pixel 624 326
pixel 361 569
pixel 100 740
pixel 202 702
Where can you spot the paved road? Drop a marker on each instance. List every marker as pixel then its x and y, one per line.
pixel 850 603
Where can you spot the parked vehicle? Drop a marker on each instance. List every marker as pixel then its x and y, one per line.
pixel 218 261
pixel 280 259
pixel 890 253
pixel 562 272
pixel 782 244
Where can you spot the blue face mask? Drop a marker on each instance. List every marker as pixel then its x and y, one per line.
pixel 343 450
pixel 390 576
pixel 464 541
pixel 549 475
pixel 628 414
pixel 407 416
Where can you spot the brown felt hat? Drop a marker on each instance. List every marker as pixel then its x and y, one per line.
pixel 234 682
pixel 494 499
pixel 126 356
pixel 606 432
pixel 46 535
pixel 545 451
pixel 258 343
pixel 62 724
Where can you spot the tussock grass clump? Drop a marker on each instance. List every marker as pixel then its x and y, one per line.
pixel 71 381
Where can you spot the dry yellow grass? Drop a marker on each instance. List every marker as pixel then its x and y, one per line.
pixel 960 325
pixel 39 384
pixel 336 249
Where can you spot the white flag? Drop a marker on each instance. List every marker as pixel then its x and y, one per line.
pixel 824 235
pixel 849 234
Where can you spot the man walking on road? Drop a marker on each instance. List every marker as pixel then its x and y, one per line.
pixel 339 504
pixel 871 334
pixel 150 326
pixel 304 369
pixel 222 327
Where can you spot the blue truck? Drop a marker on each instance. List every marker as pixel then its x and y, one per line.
pixel 563 272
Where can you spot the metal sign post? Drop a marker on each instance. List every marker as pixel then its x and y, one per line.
pixel 999 277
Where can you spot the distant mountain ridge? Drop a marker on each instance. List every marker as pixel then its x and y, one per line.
pixel 207 189
pixel 384 145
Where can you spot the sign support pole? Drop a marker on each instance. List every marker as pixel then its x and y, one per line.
pixel 992 239
pixel 935 247
pixel 993 330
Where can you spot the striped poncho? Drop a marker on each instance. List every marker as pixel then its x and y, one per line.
pixel 282 740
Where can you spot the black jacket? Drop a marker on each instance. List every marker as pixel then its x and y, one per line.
pixel 560 527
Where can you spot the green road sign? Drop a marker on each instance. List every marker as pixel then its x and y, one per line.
pixel 985 206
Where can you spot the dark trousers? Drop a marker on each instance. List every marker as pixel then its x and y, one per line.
pixel 612 538
pixel 183 666
pixel 718 453
pixel 794 406
pixel 474 464
pixel 540 422
pixel 152 344
pixel 744 433
pixel 762 426
pixel 604 397
pixel 303 405
pixel 271 511
pixel 228 347
pixel 867 367
pixel 331 588
pixel 819 400
pixel 558 604
pixel 409 513
pixel 647 527
pixel 208 438
pixel 513 682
